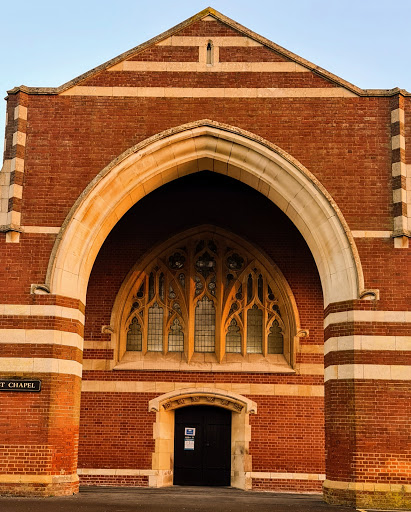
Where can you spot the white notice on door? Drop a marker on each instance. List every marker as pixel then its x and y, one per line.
pixel 188 444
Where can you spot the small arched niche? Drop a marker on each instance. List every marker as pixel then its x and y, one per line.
pixel 205 299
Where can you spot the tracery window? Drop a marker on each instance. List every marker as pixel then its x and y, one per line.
pixel 207 294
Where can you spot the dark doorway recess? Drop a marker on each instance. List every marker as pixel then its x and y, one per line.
pixel 209 463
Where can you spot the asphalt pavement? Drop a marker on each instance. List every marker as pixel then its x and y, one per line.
pixel 171 499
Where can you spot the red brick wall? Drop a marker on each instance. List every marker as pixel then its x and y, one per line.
pixel 116 431
pixel 37 433
pixel 73 138
pixel 249 54
pixel 288 434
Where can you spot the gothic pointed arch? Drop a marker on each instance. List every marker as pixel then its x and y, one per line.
pixel 206 145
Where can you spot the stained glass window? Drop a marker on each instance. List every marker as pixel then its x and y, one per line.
pixel 176 337
pixel 212 279
pixel 134 336
pixel 155 328
pixel 233 338
pixel 275 339
pixel 254 330
pixel 204 333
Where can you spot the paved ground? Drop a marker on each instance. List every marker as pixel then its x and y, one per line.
pixel 171 499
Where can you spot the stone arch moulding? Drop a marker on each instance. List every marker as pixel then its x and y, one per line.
pixel 203 396
pixel 164 406
pixel 206 145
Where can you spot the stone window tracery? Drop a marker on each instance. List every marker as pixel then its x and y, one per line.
pixel 207 295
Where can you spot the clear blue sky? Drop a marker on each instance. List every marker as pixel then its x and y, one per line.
pixel 46 43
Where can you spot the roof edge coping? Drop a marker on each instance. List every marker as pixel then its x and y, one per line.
pixel 237 26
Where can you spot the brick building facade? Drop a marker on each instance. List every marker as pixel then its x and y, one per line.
pixel 207 222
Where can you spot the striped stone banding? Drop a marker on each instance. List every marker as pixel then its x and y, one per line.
pixel 367 316
pixel 368 486
pixel 19 478
pixel 49 230
pixel 368 343
pixel 306 368
pixel 399 174
pixel 287 476
pixel 29 365
pixel 42 310
pixel 202 41
pixel 367 372
pixel 41 337
pixel 202 67
pixel 214 92
pixel 12 184
pixel 101 386
pixel 371 234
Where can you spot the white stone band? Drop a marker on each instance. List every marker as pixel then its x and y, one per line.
pixel 366 486
pixel 367 316
pixel 40 310
pixel 50 230
pixel 210 92
pixel 96 386
pixel 19 478
pixel 360 342
pixel 367 371
pixel 40 365
pixel 288 476
pixel 41 337
pixel 202 67
pixel 371 234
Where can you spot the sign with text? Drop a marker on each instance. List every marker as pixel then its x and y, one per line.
pixel 189 431
pixel 27 386
pixel 189 443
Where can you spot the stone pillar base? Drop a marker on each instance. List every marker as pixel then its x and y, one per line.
pixel 367 495
pixel 38 485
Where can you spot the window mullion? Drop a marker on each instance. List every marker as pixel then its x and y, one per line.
pixel 145 323
pixel 220 338
pixel 191 303
pixel 165 315
pixel 265 318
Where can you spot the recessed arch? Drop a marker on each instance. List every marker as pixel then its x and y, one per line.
pixel 206 145
pixel 164 406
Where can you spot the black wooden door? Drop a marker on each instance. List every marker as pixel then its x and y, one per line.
pixel 205 458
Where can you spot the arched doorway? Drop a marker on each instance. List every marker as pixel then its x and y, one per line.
pixel 224 150
pixel 236 421
pixel 202 446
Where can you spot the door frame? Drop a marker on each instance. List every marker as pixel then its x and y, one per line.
pixel 163 432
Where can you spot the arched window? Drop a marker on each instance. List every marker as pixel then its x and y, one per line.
pixel 206 293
